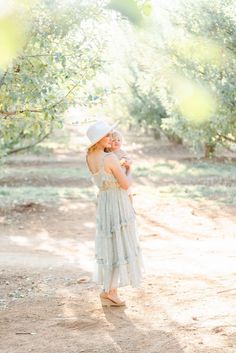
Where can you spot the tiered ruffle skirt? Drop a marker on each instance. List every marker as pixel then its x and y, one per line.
pixel 118 258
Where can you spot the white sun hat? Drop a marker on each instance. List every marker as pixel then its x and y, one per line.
pixel 98 130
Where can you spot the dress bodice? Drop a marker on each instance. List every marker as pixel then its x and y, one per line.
pixel 103 180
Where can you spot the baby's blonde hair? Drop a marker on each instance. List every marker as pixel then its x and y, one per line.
pixel 116 133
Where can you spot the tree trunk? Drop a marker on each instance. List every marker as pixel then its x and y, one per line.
pixel 209 150
pixel 156 133
pixel 174 138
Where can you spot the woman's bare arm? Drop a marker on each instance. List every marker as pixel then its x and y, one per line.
pixel 112 162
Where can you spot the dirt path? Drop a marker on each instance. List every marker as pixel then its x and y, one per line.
pixel 48 303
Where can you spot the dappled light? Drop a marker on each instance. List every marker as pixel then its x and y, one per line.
pixel 20 240
pixel 202 261
pixel 68 249
pixel 2 220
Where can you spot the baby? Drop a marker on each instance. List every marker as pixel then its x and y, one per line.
pixel 125 161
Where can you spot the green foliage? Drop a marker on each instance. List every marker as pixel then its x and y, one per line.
pixel 180 75
pixel 181 78
pixel 50 72
pixel 145 106
pixel 203 53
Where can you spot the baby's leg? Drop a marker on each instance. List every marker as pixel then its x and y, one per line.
pixel 131 198
pixel 129 192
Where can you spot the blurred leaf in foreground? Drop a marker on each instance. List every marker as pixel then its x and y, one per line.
pixel 12 30
pixel 193 100
pixel 131 9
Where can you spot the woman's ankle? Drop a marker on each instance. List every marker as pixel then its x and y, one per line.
pixel 113 291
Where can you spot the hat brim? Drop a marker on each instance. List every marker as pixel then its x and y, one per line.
pixel 94 143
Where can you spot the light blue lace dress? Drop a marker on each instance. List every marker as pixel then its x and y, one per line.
pixel 118 259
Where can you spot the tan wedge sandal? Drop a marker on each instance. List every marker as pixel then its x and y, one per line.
pixel 110 302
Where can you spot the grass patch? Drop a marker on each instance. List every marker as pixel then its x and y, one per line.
pixel 173 179
pixel 9 195
pixel 220 194
pixel 190 180
pixel 180 171
pixel 46 172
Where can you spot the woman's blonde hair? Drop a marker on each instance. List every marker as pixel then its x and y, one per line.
pixel 92 148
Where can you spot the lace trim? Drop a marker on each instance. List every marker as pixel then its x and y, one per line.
pixel 108 184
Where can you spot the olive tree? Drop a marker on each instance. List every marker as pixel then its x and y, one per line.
pixel 60 53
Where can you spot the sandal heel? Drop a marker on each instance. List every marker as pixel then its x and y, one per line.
pixel 109 302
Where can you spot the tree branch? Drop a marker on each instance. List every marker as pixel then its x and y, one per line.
pixel 3 78
pixel 16 112
pixel 49 55
pixel 31 145
pixel 22 111
pixel 227 138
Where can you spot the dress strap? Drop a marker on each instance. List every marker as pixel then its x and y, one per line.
pixel 88 164
pixel 103 158
pixel 106 154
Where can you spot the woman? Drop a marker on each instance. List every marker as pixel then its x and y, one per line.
pixel 117 251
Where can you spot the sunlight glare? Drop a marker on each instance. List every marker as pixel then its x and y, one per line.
pixel 193 100
pixel 20 240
